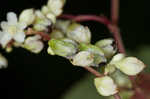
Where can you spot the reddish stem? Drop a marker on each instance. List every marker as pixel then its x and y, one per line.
pixel 114 11
pixel 117 96
pixel 93 71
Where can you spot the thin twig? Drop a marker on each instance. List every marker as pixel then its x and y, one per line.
pixel 115 12
pixel 117 96
pixel 93 71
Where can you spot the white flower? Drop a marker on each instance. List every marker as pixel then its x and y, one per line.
pixel 34 44
pixel 79 33
pixel 83 58
pixel 105 86
pixel 3 62
pixel 27 16
pixel 41 22
pixel 12 30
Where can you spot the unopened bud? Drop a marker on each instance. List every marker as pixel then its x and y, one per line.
pixel 56 6
pixel 27 16
pixel 105 86
pixel 121 79
pixel 97 52
pixel 83 58
pixel 62 25
pixel 62 48
pixel 41 22
pixel 34 44
pixel 56 34
pixel 79 33
pixel 107 46
pixel 130 65
pixel 3 62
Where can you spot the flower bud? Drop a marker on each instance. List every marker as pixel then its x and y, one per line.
pixel 56 34
pixel 109 69
pixel 62 48
pixel 105 86
pixel 34 44
pixel 121 79
pixel 83 58
pixel 55 6
pixel 51 17
pixel 45 10
pixel 107 46
pixel 3 62
pixel 27 16
pixel 50 51
pixel 79 33
pixel 41 22
pixel 130 66
pixel 62 25
pixel 97 52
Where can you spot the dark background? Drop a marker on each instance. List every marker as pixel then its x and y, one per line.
pixel 42 76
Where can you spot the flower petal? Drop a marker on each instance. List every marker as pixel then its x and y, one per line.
pixel 4 25
pixel 22 26
pixel 11 18
pixel 19 37
pixel 4 40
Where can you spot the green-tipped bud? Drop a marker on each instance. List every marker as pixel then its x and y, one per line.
pixel 130 66
pixel 3 62
pixel 57 34
pixel 97 52
pixel 105 86
pixel 27 16
pixel 34 44
pixel 83 58
pixel 107 46
pixel 50 51
pixel 62 48
pixel 55 6
pixel 79 33
pixel 62 25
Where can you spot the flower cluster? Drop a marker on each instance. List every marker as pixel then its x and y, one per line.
pixel 70 40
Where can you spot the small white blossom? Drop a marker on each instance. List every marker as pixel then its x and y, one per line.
pixel 79 33
pixel 27 16
pixel 3 62
pixel 34 44
pixel 83 58
pixel 12 30
pixel 105 86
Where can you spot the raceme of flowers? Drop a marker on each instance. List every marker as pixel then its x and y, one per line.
pixel 70 40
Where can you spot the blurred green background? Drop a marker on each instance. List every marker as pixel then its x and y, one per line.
pixel 31 76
